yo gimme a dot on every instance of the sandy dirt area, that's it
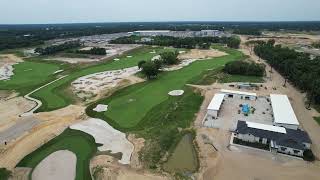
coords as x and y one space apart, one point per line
10 109
58 165
6 65
110 138
201 54
111 50
106 167
20 173
191 56
220 161
138 144
51 125
89 86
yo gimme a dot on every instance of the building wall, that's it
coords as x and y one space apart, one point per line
251 138
213 113
239 96
289 126
291 151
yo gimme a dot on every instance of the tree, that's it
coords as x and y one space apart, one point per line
150 69
234 42
5 174
140 63
169 57
308 155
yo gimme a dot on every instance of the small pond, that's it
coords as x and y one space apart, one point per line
184 158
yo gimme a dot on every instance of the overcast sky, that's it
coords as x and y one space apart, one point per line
73 11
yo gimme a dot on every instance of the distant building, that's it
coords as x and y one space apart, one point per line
239 94
283 113
152 33
279 139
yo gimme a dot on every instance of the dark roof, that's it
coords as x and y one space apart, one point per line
293 138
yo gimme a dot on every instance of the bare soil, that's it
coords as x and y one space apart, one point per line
201 54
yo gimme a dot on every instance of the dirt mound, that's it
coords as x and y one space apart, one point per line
201 54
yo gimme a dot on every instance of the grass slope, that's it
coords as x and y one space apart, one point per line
29 75
82 144
136 101
54 96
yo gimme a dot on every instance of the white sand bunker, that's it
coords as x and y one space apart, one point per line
112 139
101 108
176 92
6 71
58 165
95 83
182 64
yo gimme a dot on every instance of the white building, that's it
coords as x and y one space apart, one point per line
277 139
152 33
283 113
239 94
214 106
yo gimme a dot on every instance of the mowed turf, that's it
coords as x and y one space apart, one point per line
29 75
127 109
80 143
54 96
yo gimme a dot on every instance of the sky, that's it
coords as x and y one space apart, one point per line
81 11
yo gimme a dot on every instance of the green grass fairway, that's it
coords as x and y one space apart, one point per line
82 144
29 75
54 97
127 108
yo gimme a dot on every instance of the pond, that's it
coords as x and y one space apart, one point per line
184 158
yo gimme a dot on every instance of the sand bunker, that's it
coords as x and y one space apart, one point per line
6 65
101 108
201 54
58 165
95 83
112 139
176 92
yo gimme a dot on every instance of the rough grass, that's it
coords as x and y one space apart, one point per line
138 100
82 144
317 119
53 96
29 75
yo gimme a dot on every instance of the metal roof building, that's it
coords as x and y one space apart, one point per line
216 102
283 112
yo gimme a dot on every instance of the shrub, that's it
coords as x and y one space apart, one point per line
140 63
4 174
244 68
169 58
308 155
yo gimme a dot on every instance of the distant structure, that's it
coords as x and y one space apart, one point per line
202 33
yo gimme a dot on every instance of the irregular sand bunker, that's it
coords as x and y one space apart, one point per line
58 165
176 92
101 108
6 65
112 139
95 83
201 54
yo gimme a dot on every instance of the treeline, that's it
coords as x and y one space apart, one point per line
245 68
58 48
93 51
17 36
247 31
297 67
177 42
